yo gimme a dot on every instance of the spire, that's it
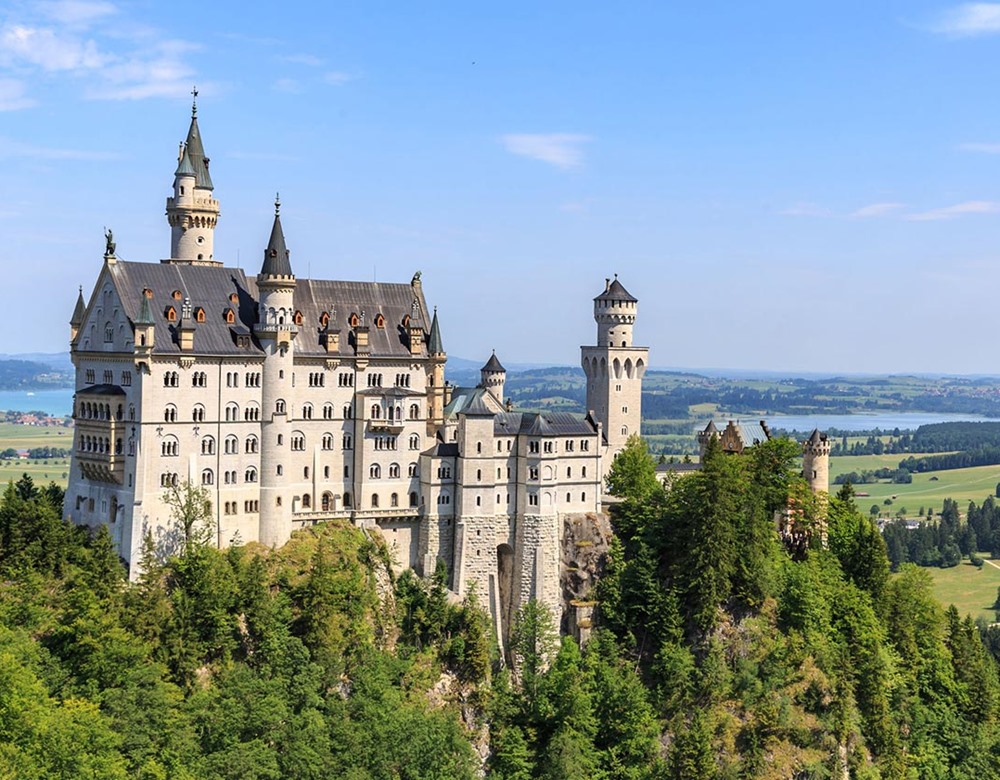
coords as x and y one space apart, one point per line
184 165
196 151
145 313
434 346
493 365
79 310
276 261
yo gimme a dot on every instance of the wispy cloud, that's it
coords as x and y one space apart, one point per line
877 210
13 97
303 59
291 86
980 147
119 59
338 77
10 148
957 210
969 20
806 209
562 150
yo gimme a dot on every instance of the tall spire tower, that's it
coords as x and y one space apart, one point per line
192 211
615 368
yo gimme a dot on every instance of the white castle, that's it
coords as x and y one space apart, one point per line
296 401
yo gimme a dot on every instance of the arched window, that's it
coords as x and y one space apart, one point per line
394 471
347 500
170 413
354 320
327 411
376 411
199 314
394 500
374 500
279 406
198 413
375 472
306 500
327 441
412 470
230 316
251 444
298 318
170 447
324 319
207 445
326 503
347 442
231 445
207 477
232 412
413 498
250 475
379 321
414 411
171 314
307 412
415 441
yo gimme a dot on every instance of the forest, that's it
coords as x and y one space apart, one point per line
721 649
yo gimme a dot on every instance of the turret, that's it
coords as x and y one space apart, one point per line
493 376
276 330
816 461
76 321
435 376
614 311
144 328
192 211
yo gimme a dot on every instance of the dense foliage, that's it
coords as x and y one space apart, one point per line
723 650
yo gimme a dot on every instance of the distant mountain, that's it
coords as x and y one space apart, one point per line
19 373
57 361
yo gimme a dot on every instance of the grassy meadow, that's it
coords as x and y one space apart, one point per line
22 437
971 590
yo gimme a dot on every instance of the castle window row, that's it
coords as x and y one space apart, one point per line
374 380
99 445
89 376
199 379
345 380
385 442
89 410
317 379
169 479
402 380
171 379
126 379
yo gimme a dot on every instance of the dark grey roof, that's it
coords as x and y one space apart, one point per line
434 346
476 408
710 428
208 286
493 365
444 450
79 310
101 390
817 437
184 166
749 433
615 291
541 424
276 262
340 300
196 152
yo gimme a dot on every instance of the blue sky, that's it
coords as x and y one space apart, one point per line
785 186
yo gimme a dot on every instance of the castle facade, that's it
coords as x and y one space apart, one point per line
295 401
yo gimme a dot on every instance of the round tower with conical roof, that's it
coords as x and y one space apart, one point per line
276 330
615 368
192 211
493 376
816 461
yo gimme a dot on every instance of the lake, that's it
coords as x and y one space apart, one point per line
54 402
885 421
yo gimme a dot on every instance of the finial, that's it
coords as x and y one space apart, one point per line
194 102
277 204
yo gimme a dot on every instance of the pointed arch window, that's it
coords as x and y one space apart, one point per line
171 314
199 314
355 320
324 319
298 318
230 316
379 321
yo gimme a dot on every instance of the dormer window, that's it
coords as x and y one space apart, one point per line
234 298
406 321
355 320
324 319
230 316
147 292
199 314
379 321
298 318
171 313
176 295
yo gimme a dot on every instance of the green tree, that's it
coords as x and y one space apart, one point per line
633 471
190 514
532 642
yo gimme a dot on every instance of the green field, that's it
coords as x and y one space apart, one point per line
22 437
971 590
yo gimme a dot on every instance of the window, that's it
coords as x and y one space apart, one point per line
375 472
550 446
306 501
279 406
198 413
479 475
207 445
376 411
569 445
207 477
347 500
230 316
583 471
413 498
170 447
170 379
532 499
345 380
326 502
298 441
251 444
326 472
584 445
569 472
90 377
199 379
170 413
415 441
444 472
394 500
533 473
411 470
279 470
109 333
347 472
252 412
533 447
317 379
348 412
305 473
199 314
479 447
232 412
307 412
347 442
624 430
394 471
127 378
250 475
375 501
327 411
171 313
327 441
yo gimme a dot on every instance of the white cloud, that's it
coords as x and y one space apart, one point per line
48 49
559 149
337 77
13 97
957 210
10 148
970 19
877 210
980 147
806 209
77 12
291 86
303 59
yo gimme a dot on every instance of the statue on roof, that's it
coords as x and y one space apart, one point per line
109 243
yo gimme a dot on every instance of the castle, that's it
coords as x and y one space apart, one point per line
294 401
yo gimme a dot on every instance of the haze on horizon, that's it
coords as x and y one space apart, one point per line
783 187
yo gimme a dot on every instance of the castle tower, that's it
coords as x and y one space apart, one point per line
435 377
192 211
615 368
816 461
275 329
493 376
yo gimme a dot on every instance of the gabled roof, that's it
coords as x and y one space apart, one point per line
541 424
476 408
615 291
